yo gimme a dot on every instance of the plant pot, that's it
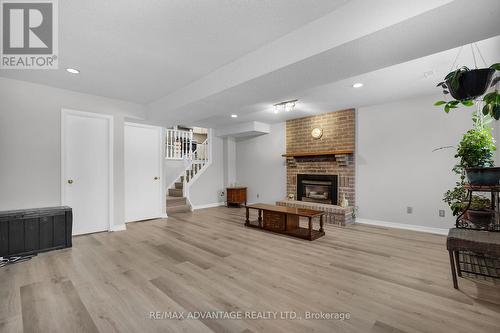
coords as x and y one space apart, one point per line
483 176
480 218
472 84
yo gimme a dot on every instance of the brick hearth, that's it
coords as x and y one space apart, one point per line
333 214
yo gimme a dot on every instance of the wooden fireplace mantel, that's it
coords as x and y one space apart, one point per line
319 153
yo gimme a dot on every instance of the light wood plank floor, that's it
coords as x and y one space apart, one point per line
388 280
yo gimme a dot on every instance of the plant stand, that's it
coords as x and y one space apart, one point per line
476 253
475 249
463 221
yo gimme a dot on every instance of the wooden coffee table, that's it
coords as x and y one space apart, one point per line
285 220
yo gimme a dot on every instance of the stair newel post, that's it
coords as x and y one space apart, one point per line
209 145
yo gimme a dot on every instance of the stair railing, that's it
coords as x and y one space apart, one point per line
178 144
201 152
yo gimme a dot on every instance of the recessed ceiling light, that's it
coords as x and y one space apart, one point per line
234 116
72 71
357 85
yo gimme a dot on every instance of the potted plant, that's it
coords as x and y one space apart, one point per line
479 212
465 85
475 154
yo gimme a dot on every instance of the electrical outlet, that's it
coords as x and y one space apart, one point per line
222 193
441 213
409 210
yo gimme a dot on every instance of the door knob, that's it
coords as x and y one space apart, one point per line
156 178
70 181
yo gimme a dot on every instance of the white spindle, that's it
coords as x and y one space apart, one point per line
179 145
167 153
169 144
191 144
172 144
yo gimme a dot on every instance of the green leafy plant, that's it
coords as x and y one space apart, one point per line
453 104
474 150
456 198
491 100
479 203
492 104
454 79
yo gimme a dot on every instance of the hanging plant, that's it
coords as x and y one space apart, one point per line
465 85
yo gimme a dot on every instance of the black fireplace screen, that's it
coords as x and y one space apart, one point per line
317 188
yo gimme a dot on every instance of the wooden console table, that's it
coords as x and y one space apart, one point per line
285 220
236 196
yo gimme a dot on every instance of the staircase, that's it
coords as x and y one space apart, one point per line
176 199
179 145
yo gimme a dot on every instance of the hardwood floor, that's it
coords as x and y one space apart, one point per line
388 280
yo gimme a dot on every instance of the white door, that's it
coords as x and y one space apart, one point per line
143 199
87 169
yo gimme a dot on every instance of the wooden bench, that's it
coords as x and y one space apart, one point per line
473 251
285 220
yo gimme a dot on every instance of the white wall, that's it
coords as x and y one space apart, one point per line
229 146
206 190
30 142
396 167
260 166
172 170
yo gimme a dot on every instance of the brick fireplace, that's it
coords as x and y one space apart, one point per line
326 163
338 134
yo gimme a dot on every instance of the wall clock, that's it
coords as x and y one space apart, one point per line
317 133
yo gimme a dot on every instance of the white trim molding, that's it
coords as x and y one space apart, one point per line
121 227
215 204
437 231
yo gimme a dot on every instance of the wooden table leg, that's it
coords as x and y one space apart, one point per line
247 221
453 273
321 224
310 229
260 218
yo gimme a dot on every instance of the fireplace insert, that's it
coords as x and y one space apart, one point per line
318 188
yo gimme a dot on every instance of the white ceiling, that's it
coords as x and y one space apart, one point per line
196 62
140 50
406 80
398 41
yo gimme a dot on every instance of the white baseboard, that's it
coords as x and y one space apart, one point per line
215 204
162 216
438 231
121 227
